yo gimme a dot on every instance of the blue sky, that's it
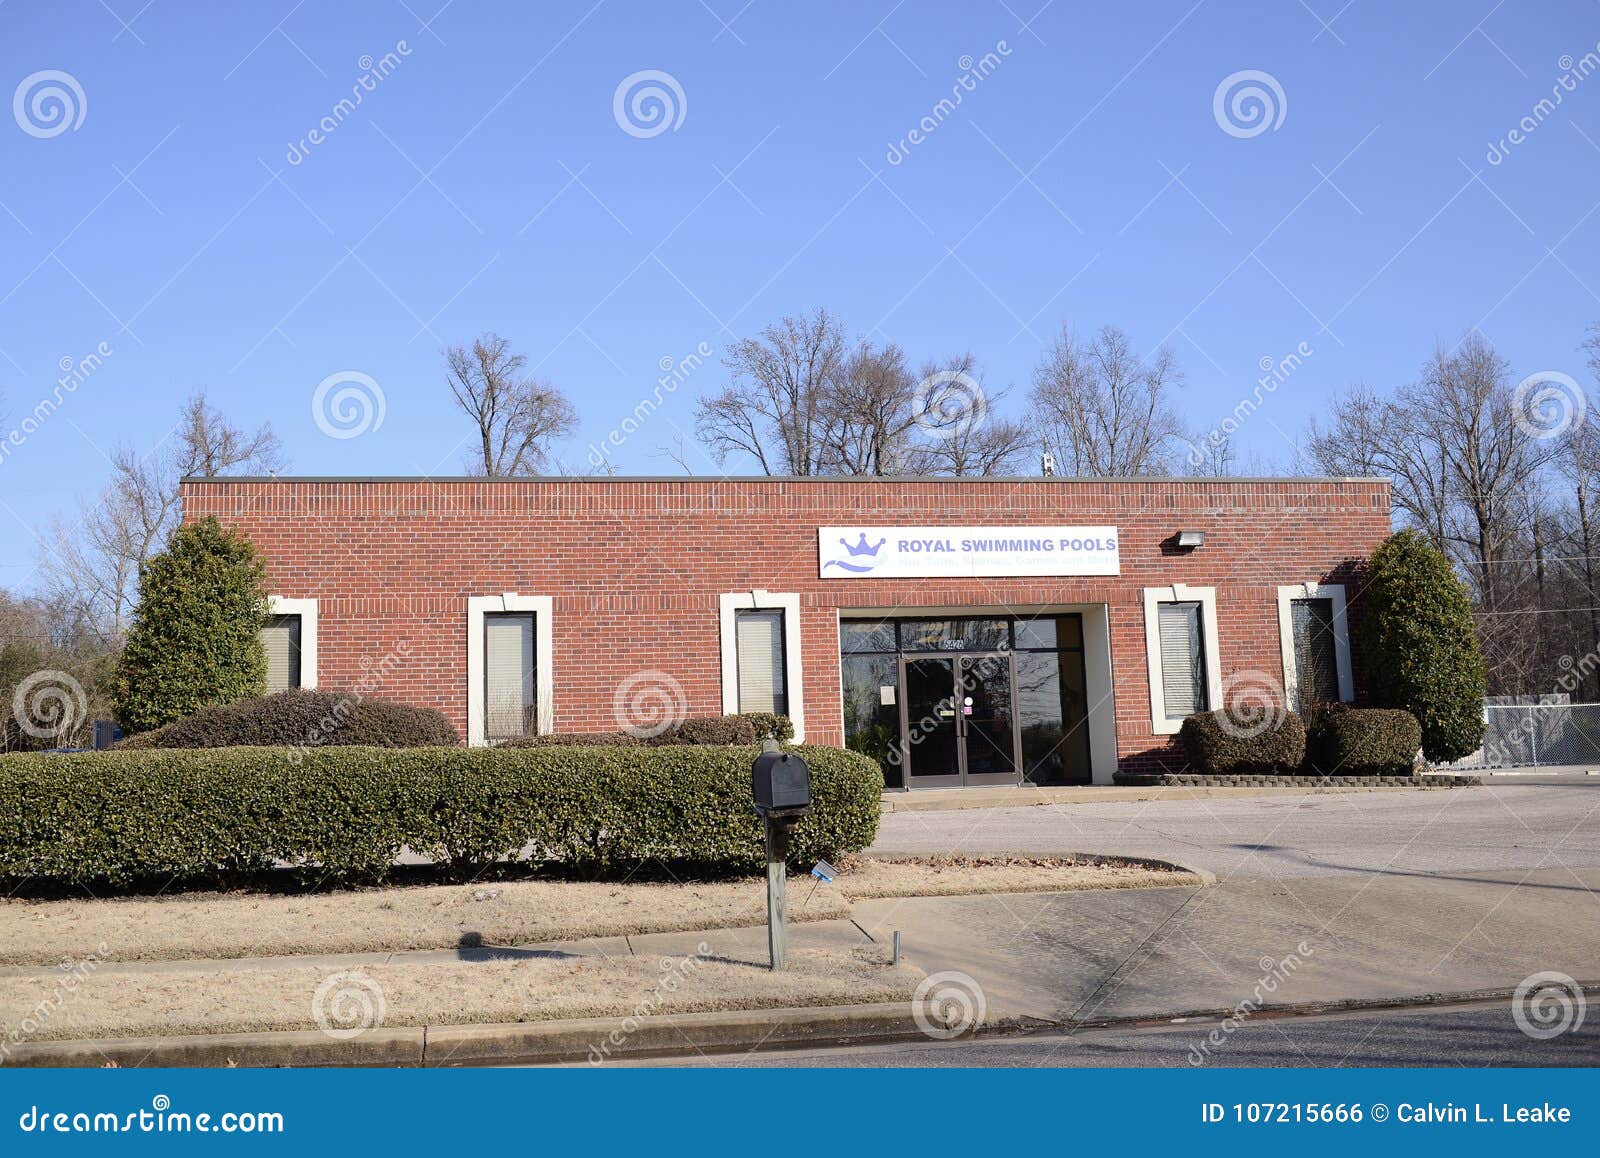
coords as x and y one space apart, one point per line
485 183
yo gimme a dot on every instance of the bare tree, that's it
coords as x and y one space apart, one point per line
1467 469
869 415
1369 437
210 445
962 433
91 563
775 409
518 416
1102 410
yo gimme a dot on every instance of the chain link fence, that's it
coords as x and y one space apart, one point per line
1549 731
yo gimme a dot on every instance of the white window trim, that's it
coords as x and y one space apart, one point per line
542 609
306 609
1334 592
758 600
1180 593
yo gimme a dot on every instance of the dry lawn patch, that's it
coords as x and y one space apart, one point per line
231 925
149 1003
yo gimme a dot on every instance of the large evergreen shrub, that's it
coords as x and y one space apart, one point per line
1419 645
196 634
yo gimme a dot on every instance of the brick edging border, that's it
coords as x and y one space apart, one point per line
1194 780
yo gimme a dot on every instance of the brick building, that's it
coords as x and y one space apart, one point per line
963 631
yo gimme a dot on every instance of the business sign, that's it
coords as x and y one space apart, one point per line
964 552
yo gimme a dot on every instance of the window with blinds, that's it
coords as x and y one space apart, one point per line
281 639
509 702
1315 664
760 642
1183 662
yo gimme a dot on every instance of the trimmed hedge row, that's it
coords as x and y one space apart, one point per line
1229 742
344 814
1348 741
303 717
1338 739
748 728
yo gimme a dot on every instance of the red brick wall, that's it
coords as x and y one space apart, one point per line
635 568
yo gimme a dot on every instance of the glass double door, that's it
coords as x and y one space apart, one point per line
959 719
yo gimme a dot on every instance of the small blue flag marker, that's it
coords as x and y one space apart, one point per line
824 872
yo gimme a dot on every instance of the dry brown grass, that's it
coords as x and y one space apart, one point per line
148 1003
203 925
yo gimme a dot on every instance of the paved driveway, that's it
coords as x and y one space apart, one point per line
1497 826
1367 896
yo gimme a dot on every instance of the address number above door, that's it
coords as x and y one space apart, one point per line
964 552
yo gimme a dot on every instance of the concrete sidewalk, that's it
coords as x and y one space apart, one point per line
1084 958
1064 959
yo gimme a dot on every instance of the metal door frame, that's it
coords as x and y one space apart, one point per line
960 778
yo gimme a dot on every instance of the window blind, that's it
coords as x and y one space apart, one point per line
1316 668
281 639
1183 673
509 676
760 645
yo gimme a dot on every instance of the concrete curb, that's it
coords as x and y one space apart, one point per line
1151 862
600 1039
594 1040
1132 789
1297 1009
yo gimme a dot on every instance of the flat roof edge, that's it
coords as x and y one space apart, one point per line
762 478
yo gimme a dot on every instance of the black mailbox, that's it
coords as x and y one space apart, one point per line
781 782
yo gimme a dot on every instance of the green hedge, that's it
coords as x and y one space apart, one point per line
1348 741
1226 742
748 728
303 717
344 814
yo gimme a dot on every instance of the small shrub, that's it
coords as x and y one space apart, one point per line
1364 741
303 717
574 740
712 730
1228 742
780 726
344 814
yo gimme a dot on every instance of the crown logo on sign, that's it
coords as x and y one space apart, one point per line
862 547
